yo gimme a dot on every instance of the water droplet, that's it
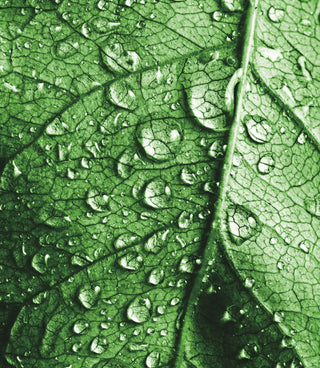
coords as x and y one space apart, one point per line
99 345
278 316
217 16
39 262
138 347
77 260
174 301
287 342
230 91
305 246
117 58
185 220
161 309
131 261
76 347
157 241
86 30
275 15
153 360
80 326
232 5
305 71
271 54
258 129
186 265
97 201
249 282
216 149
243 354
88 296
160 139
66 48
157 193
280 266
38 299
56 127
126 162
312 205
16 170
242 224
125 240
188 177
236 160
156 276
103 25
301 138
266 164
139 310
120 94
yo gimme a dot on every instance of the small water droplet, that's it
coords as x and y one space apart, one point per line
278 316
275 15
157 241
186 265
266 164
232 5
139 310
185 220
280 265
153 359
188 177
125 240
96 200
312 205
39 262
287 342
258 129
160 139
80 326
157 193
174 301
65 49
156 276
249 282
131 261
301 138
126 162
86 30
88 296
217 16
271 54
121 94
16 170
305 246
99 345
76 347
242 224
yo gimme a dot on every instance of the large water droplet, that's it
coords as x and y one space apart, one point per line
99 345
258 129
131 261
139 310
157 241
153 359
241 223
88 296
80 326
160 139
121 94
117 58
216 149
275 15
157 193
39 262
125 240
312 205
156 276
266 164
97 201
185 220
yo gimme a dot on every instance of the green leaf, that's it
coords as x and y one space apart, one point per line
156 212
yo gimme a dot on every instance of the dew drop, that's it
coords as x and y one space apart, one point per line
278 316
185 220
120 94
232 5
271 54
86 30
217 16
64 49
76 347
157 241
305 246
301 138
312 205
126 162
266 164
153 360
160 139
80 326
216 149
117 58
102 25
96 201
56 127
99 345
16 171
188 177
86 163
242 224
258 129
131 261
88 296
157 193
39 262
125 240
156 276
186 265
275 15
174 301
249 282
139 310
